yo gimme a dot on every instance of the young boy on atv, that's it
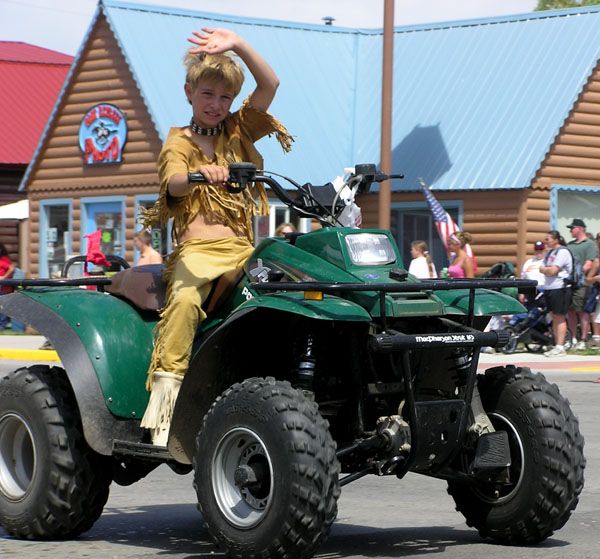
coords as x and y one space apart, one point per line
212 227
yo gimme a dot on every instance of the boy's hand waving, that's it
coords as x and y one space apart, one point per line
213 41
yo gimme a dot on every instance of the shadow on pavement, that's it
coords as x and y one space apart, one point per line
352 541
178 531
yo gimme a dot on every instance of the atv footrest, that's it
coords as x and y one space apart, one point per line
142 450
493 452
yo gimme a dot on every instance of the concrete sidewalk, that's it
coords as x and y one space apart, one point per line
572 362
27 348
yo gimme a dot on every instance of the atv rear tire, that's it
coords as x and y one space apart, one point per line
266 472
547 460
52 485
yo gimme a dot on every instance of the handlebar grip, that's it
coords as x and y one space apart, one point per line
196 178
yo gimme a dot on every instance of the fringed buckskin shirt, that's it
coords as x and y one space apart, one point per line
234 144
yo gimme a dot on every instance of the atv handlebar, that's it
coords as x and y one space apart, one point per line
312 201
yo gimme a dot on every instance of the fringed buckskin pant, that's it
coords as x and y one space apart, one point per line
190 271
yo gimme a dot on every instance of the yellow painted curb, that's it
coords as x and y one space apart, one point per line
595 369
29 354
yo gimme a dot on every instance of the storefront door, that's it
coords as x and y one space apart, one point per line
55 237
108 217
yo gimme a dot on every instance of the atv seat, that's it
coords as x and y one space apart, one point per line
144 287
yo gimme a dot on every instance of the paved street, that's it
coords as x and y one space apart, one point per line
378 517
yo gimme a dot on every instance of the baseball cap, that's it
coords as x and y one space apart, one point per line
576 223
539 245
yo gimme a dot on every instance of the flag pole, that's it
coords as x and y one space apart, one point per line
385 195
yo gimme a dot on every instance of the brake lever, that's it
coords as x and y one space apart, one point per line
234 189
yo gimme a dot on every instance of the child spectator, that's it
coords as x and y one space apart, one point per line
421 264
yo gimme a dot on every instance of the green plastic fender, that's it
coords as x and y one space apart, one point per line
487 302
329 308
115 337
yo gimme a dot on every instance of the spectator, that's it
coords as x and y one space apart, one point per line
531 267
143 243
593 276
461 265
6 271
556 268
584 250
421 264
285 228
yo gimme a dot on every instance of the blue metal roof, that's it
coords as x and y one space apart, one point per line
477 104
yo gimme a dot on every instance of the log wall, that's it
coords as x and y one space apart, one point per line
102 76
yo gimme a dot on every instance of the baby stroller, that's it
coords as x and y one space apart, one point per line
500 270
533 329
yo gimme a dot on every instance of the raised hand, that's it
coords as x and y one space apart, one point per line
213 41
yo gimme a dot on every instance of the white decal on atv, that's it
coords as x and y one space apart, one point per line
446 339
246 293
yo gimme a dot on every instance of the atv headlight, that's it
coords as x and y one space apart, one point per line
370 249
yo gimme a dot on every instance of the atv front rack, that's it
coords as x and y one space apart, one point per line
401 287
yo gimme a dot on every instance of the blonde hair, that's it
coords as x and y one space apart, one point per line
213 68
422 247
462 237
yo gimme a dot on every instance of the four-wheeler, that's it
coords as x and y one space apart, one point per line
321 362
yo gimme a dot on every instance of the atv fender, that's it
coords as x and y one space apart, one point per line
329 308
487 302
239 348
104 346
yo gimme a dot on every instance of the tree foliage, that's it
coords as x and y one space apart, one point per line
560 4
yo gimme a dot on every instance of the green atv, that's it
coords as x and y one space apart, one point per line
321 362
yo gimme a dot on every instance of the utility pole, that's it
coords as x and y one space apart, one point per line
385 195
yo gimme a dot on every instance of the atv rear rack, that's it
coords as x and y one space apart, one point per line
99 281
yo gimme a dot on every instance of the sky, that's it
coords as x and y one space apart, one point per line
61 24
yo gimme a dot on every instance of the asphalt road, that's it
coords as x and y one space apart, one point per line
378 517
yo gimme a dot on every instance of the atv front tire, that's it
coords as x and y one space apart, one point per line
266 472
546 474
52 485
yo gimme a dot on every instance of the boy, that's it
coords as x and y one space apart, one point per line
212 227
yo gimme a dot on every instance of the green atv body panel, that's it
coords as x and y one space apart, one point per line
330 308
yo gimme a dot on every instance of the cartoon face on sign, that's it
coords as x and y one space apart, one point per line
102 134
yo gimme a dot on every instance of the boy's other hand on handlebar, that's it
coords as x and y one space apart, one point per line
213 41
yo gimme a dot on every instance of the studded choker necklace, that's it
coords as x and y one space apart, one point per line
205 131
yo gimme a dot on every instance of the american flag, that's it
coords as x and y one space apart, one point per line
443 221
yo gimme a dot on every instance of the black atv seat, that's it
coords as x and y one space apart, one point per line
144 287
